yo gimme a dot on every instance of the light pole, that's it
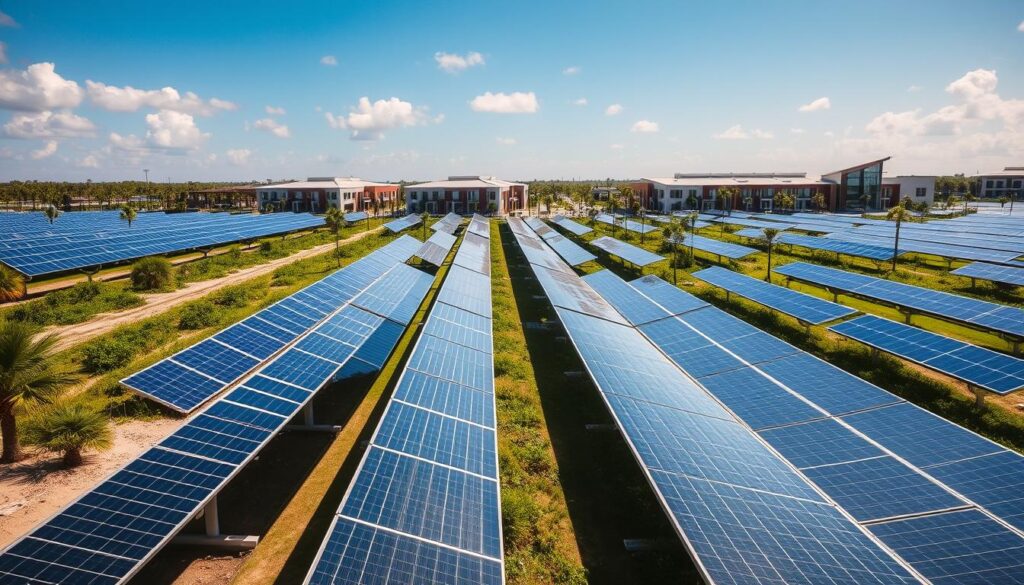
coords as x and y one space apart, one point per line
147 183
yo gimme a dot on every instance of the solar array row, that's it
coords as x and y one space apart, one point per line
403 223
862 250
1013 275
570 251
944 250
638 227
746 222
628 252
192 376
424 505
436 248
109 533
570 225
925 233
448 224
796 304
355 216
717 247
972 312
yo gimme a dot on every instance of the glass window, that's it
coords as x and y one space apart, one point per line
920 192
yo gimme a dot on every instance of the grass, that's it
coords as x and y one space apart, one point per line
75 304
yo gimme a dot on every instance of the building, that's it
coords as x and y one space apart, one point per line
918 188
857 188
317 194
603 193
1008 182
466 194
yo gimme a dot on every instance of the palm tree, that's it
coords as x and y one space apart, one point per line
68 428
674 232
768 238
897 214
423 219
967 198
128 214
643 216
691 223
12 284
818 199
28 374
613 203
51 213
728 196
335 219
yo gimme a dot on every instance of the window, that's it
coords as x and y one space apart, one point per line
989 184
693 192
920 192
1016 184
492 195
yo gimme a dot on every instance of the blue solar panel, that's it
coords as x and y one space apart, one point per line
748 222
717 247
571 226
403 223
438 438
689 349
397 294
819 442
802 306
216 360
568 291
173 385
458 326
446 397
994 481
628 252
570 251
633 305
467 290
474 254
436 248
355 216
829 387
639 227
667 294
945 250
860 249
758 401
480 226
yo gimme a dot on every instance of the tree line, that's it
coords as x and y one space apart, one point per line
89 195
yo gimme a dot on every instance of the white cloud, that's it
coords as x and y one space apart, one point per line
38 88
506 141
174 131
367 121
573 70
274 111
822 103
129 143
501 103
48 124
46 151
1020 26
737 132
914 89
89 161
796 130
329 60
644 126
130 99
239 156
580 102
613 110
272 126
7 20
454 63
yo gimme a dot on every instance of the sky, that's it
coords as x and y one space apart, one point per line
257 90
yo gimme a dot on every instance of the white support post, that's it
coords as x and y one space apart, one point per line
211 518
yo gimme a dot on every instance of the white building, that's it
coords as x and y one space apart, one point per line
1008 182
918 188
317 194
466 194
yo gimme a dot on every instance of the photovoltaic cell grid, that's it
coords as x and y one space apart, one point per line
436 248
862 250
423 505
33 247
628 252
448 224
605 218
572 226
403 223
538 225
110 532
639 227
355 216
752 233
190 377
944 250
974 312
796 304
975 365
746 222
1003 274
925 233
743 513
480 226
570 251
824 436
717 247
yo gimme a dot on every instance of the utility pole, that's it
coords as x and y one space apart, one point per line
147 183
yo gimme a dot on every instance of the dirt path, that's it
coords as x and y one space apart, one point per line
157 303
34 489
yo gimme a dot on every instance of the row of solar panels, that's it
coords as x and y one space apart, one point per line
424 505
744 513
110 532
570 251
571 226
40 258
448 224
30 226
192 376
403 223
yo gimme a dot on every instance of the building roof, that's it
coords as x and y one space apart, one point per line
857 167
738 180
326 183
1006 172
463 182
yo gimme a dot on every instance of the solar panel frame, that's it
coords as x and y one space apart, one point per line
796 304
628 252
1012 275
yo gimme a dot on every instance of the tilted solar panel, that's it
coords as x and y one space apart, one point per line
860 249
628 252
572 226
797 304
717 247
1004 274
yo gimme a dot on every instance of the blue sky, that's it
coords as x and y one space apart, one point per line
521 90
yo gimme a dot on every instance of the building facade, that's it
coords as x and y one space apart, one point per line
318 194
1008 182
466 194
918 188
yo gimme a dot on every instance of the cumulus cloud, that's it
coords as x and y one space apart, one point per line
272 126
329 60
368 121
274 111
1020 26
129 143
822 103
47 124
454 63
644 126
580 102
174 131
506 141
613 110
573 70
46 151
130 99
736 132
7 20
238 156
89 161
37 88
506 103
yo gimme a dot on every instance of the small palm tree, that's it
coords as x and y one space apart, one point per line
768 238
335 219
128 214
423 219
51 213
68 428
12 284
818 199
28 374
897 214
967 199
674 232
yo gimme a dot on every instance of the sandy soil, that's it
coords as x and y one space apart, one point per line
34 489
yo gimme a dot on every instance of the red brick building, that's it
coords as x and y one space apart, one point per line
466 194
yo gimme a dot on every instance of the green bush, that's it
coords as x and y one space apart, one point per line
238 296
106 354
152 273
74 304
68 428
199 314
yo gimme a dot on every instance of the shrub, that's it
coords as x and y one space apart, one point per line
152 273
12 285
519 517
199 314
106 354
237 296
68 428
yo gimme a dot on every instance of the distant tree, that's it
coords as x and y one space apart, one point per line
424 217
51 213
28 374
691 224
673 232
748 199
967 199
12 284
768 238
128 214
68 428
783 200
818 200
335 220
898 214
728 195
613 204
1003 201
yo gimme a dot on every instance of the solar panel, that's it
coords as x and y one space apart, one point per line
796 304
639 227
975 365
480 226
945 250
538 225
925 233
436 248
474 254
569 292
627 252
717 247
605 218
396 294
859 249
465 290
1013 275
747 222
945 305
403 223
571 226
570 251
633 305
752 233
355 216
667 295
